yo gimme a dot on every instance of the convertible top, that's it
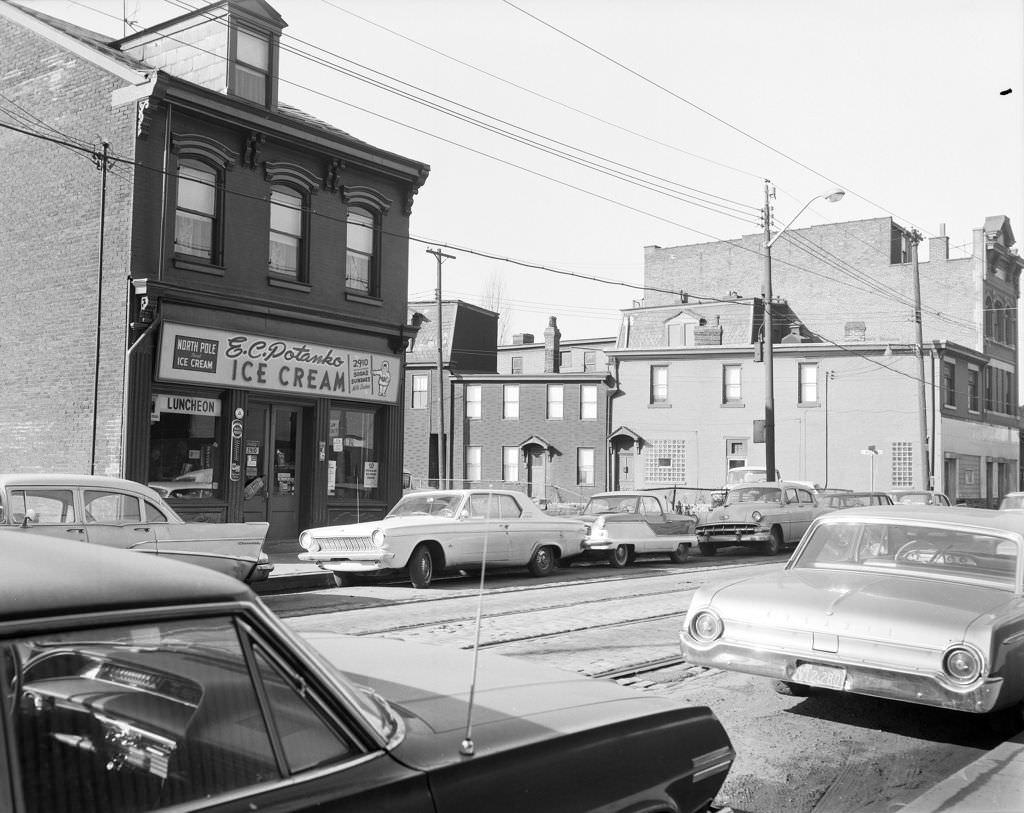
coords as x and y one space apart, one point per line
80 577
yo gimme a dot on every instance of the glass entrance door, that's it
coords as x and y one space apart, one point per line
272 460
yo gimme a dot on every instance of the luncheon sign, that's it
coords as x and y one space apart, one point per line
218 357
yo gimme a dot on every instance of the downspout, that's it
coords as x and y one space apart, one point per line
163 193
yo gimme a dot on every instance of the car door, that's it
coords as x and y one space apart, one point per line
652 525
114 518
802 510
479 524
524 532
45 511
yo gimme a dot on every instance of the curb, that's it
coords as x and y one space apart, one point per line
314 580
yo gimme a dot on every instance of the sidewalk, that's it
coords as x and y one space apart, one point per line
993 783
286 578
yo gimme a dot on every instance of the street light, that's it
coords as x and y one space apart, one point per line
766 295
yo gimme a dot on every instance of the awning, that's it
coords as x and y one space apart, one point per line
536 440
624 432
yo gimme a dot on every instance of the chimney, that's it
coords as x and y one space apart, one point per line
552 346
855 331
938 247
793 336
522 338
705 334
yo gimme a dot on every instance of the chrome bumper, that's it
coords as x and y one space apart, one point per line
350 562
911 687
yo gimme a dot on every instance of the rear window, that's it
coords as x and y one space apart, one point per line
916 549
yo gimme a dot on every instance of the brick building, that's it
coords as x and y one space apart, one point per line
226 301
845 363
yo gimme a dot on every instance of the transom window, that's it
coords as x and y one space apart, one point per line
286 232
251 70
360 269
195 219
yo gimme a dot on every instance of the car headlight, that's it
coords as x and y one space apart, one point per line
706 626
308 541
962 664
598 523
757 516
378 536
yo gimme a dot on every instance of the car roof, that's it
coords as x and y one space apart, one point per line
775 483
463 491
49 478
45 576
1006 521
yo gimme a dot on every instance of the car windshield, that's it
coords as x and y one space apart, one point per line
924 550
734 476
852 500
435 505
743 494
611 505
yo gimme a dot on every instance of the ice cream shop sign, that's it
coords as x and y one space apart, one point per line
208 356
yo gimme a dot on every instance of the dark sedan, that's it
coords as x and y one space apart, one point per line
133 684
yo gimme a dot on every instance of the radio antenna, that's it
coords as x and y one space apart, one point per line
467 748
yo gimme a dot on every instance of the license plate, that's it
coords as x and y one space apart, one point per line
827 677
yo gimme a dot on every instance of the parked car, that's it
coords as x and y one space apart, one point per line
429 532
624 524
835 500
766 516
125 514
911 496
899 602
1012 501
131 685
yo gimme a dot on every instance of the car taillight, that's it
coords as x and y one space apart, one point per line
962 664
706 626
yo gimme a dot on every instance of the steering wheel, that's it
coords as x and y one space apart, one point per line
917 551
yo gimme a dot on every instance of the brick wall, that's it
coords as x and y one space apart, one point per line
49 255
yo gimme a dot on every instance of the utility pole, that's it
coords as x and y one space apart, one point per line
922 409
442 464
102 164
768 336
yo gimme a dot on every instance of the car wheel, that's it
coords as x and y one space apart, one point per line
792 689
707 549
621 556
421 567
680 554
773 546
543 561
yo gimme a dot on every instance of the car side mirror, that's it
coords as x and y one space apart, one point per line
30 516
464 513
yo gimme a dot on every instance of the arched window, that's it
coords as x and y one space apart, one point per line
988 317
287 232
1000 320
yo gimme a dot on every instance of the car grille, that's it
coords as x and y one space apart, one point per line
730 528
336 544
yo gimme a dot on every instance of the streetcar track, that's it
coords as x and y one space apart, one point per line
543 635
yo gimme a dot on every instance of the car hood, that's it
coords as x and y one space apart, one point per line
516 702
387 523
740 511
930 612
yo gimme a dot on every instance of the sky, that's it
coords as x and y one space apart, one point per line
902 103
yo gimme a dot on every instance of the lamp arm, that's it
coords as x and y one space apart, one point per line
792 220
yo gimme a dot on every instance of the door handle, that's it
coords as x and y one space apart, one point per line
75 530
145 530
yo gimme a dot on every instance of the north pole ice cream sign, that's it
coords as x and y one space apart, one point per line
200 355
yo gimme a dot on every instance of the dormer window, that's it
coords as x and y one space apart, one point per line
250 70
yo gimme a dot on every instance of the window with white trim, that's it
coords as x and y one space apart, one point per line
732 384
510 464
473 457
588 402
808 383
197 214
420 390
286 232
585 466
659 383
474 394
360 251
510 401
556 401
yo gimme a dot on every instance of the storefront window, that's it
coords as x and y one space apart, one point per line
184 453
352 464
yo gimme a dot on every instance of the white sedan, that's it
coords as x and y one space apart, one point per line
429 532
